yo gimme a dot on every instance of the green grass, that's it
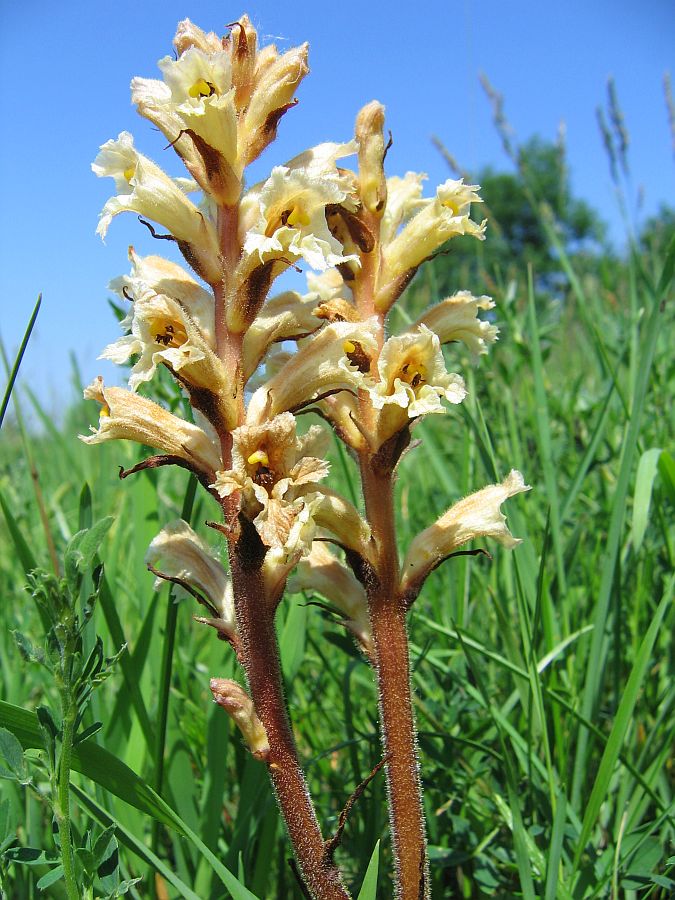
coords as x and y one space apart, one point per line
543 677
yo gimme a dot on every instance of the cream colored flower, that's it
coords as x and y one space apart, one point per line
145 189
336 358
128 416
340 521
275 81
456 319
343 413
404 199
194 106
288 218
322 572
328 285
287 316
478 515
270 464
164 332
413 375
178 554
156 275
436 221
239 706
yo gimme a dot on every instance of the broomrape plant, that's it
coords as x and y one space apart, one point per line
221 335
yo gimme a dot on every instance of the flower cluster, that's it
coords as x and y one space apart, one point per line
250 361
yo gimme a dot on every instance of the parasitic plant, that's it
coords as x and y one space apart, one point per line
249 361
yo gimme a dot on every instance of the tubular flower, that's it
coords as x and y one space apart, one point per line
436 220
194 107
413 380
128 416
179 555
287 316
478 515
456 319
163 332
270 464
156 275
290 209
340 521
272 88
404 199
335 359
323 572
145 189
239 706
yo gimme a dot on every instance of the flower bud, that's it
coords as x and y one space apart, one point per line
239 707
271 98
369 134
243 41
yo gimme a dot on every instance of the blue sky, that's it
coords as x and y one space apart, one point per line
66 68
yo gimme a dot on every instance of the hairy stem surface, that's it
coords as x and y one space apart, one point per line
392 667
260 656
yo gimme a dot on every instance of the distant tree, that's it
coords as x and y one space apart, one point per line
513 203
657 231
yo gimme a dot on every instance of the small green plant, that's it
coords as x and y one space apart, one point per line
66 606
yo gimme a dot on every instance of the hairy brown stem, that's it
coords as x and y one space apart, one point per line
260 656
392 667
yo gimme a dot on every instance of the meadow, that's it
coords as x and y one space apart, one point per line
543 677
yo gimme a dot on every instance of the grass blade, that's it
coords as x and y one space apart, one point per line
369 887
621 722
19 357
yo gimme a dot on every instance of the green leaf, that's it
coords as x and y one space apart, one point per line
82 549
292 640
644 482
369 887
28 650
12 753
85 514
31 856
88 732
56 874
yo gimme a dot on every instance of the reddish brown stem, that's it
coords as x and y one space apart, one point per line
260 656
392 666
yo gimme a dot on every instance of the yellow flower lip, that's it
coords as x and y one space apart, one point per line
297 216
168 334
259 457
202 88
129 172
349 346
414 375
